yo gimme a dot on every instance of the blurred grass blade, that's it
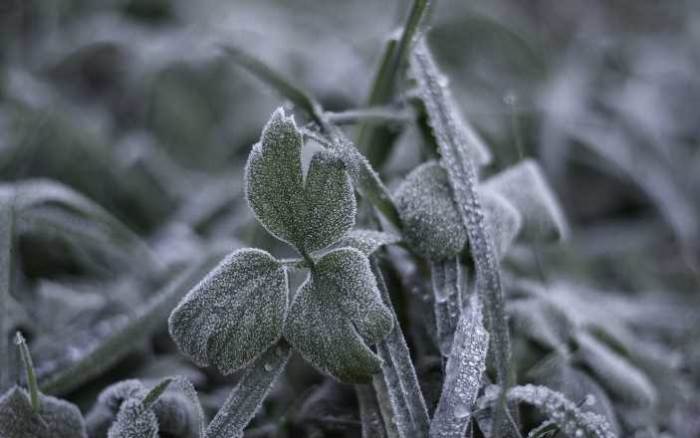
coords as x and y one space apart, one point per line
460 157
369 116
99 358
278 82
245 399
376 141
7 219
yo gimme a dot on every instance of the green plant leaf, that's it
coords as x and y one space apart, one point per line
525 187
336 313
55 419
431 223
134 421
235 313
310 213
366 241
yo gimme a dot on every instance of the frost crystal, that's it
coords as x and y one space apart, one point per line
571 420
55 419
336 313
234 314
465 367
310 213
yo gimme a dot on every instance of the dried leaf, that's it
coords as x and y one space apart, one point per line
235 313
336 313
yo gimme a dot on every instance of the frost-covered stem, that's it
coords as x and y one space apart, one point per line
370 414
385 407
463 178
400 375
247 397
121 342
7 219
446 278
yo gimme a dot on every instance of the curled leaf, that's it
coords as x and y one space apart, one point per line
525 187
234 314
432 225
336 313
308 212
55 418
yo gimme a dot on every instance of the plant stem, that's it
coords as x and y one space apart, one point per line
400 375
7 218
370 414
446 278
245 399
29 369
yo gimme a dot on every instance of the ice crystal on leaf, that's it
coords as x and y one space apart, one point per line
310 213
336 313
234 314
55 419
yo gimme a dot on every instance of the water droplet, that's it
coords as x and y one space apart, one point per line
462 410
268 367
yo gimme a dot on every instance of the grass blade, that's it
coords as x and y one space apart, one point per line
447 291
245 399
370 414
459 156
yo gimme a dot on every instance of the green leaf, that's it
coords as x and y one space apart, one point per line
55 419
309 213
235 313
431 223
526 188
134 421
336 313
367 241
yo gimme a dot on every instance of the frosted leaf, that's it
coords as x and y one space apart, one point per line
431 223
577 386
134 421
336 313
465 366
573 421
235 313
55 419
367 241
504 220
105 410
526 188
614 372
309 213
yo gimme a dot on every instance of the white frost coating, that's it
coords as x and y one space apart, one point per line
571 420
336 313
309 213
235 313
526 187
446 276
58 418
245 399
431 222
134 421
465 367
367 241
614 372
458 160
504 220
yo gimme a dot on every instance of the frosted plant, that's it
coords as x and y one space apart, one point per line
128 408
32 414
240 310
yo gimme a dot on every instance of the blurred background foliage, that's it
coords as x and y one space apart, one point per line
133 104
